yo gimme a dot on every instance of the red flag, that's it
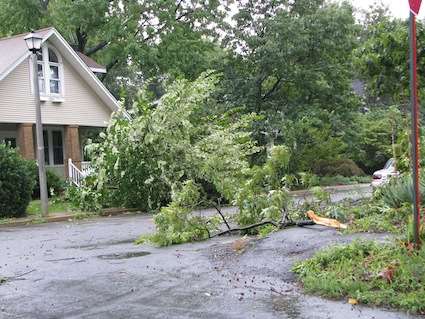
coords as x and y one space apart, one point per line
415 5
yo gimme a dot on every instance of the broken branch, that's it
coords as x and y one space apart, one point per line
239 229
221 214
263 223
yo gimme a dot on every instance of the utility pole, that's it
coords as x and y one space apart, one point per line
415 138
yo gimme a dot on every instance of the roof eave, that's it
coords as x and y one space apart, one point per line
98 70
14 66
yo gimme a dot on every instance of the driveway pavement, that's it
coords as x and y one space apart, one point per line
92 269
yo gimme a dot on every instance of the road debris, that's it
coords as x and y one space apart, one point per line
325 221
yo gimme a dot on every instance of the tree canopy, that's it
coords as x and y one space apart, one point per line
293 63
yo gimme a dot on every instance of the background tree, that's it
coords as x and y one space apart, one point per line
290 59
382 61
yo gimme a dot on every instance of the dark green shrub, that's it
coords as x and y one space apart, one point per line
348 168
310 139
55 184
342 167
17 181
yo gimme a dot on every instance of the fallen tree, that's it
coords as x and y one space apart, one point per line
162 159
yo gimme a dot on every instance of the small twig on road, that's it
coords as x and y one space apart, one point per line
272 289
25 273
62 259
21 275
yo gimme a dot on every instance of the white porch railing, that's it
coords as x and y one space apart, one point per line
76 175
86 168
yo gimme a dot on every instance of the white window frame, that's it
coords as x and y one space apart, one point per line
55 64
49 130
47 95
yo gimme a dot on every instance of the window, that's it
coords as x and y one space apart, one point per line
53 146
57 147
40 72
49 72
10 141
46 147
54 73
54 80
53 57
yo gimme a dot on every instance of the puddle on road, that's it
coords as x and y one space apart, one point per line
125 255
100 245
288 305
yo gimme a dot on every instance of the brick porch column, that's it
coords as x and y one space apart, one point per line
72 146
25 141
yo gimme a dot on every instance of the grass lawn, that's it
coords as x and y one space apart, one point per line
390 275
55 206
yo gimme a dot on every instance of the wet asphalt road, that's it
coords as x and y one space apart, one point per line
92 269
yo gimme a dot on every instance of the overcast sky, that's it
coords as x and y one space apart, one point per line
399 8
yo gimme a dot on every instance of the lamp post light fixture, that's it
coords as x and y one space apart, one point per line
33 43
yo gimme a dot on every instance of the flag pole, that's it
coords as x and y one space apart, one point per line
415 128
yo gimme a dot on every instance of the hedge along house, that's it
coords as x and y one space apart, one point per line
73 99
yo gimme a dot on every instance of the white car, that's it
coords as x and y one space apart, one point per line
382 176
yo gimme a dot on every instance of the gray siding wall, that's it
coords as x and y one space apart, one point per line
81 106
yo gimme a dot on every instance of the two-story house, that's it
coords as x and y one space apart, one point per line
73 99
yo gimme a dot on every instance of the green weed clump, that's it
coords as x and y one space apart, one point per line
390 275
388 210
379 218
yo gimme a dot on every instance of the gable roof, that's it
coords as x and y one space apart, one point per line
92 64
13 51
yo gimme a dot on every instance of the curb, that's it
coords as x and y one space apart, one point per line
107 212
334 189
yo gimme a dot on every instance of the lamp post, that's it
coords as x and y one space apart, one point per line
34 46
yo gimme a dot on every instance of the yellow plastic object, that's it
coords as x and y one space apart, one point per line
352 301
325 221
